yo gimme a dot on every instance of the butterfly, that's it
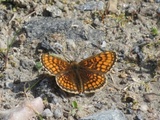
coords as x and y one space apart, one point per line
87 76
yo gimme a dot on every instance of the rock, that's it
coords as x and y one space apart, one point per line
98 106
47 113
150 97
25 111
9 85
107 115
27 63
112 6
92 5
143 107
54 11
41 28
139 117
157 1
58 113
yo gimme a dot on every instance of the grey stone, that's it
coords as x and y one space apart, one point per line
58 113
98 106
47 113
107 115
92 5
9 85
157 1
158 10
55 11
59 4
40 28
27 63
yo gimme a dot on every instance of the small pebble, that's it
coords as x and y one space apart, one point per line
129 111
107 115
98 106
9 85
158 11
92 5
58 113
138 117
26 63
104 44
143 107
157 1
7 106
47 113
54 11
150 97
131 9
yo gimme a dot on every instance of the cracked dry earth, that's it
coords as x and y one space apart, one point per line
73 31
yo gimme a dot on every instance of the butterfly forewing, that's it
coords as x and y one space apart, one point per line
53 64
99 63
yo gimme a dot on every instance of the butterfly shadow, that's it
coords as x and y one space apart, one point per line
56 90
45 86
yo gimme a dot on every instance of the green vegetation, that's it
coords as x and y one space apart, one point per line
74 105
75 108
38 65
154 31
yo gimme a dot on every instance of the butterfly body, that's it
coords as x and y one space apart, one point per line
73 73
87 76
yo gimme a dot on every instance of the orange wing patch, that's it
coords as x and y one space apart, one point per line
54 64
101 62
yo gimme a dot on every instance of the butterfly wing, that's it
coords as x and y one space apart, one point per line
92 70
99 63
61 69
54 65
92 81
66 82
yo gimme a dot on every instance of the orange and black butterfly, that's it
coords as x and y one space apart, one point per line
86 76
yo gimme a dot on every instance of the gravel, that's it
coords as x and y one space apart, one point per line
75 30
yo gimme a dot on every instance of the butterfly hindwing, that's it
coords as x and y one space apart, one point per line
92 81
66 82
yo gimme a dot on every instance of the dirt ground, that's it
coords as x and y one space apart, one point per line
75 30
